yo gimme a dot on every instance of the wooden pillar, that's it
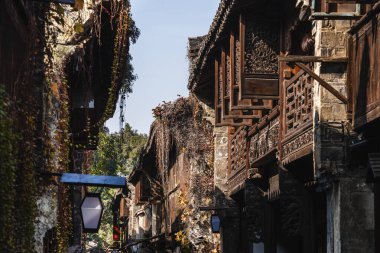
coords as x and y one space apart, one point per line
269 229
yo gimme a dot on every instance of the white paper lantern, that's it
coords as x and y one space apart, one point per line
91 212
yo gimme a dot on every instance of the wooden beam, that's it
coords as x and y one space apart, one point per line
303 58
365 19
324 84
334 16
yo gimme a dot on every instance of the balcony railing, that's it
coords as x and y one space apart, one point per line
286 131
264 137
238 150
298 102
297 111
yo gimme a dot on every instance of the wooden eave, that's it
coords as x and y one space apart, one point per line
219 30
365 19
134 176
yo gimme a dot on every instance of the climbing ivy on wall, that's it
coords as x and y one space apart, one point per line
29 107
8 163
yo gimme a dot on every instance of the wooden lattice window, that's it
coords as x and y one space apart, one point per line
142 190
298 101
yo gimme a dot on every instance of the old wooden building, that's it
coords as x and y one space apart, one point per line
172 180
294 89
291 90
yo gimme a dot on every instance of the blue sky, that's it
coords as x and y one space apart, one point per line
159 56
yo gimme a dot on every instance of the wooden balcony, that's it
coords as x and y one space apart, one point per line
246 72
251 146
296 113
264 138
285 133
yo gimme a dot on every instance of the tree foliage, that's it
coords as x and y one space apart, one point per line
117 154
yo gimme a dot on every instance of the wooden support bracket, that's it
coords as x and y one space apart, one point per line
335 16
324 84
305 58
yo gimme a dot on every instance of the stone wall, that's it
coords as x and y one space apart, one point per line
220 164
230 218
349 197
330 115
46 215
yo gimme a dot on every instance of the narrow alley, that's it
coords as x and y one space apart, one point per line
238 126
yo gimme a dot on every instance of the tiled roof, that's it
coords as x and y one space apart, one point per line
217 26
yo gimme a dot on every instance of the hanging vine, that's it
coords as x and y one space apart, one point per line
122 76
181 125
34 118
8 170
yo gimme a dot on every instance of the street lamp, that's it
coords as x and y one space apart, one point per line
215 223
91 212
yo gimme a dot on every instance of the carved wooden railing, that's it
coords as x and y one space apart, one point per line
238 150
296 109
237 156
298 102
264 137
250 145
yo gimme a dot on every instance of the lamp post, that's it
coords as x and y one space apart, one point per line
91 212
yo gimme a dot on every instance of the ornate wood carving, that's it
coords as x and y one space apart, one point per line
238 150
262 46
297 117
220 83
237 61
231 108
218 92
264 141
238 179
228 75
298 143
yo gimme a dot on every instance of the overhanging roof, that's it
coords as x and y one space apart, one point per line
227 9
